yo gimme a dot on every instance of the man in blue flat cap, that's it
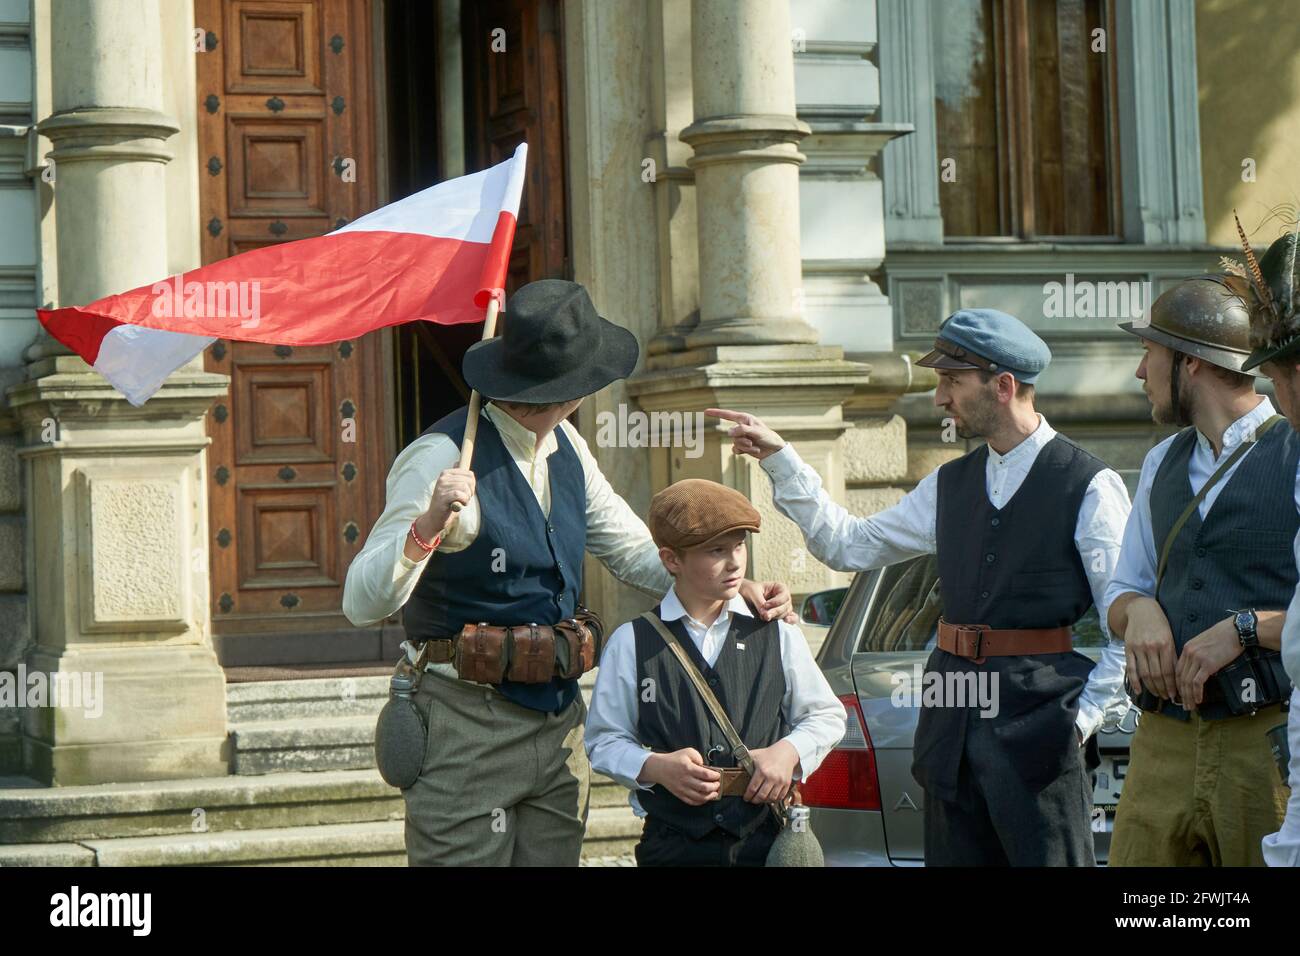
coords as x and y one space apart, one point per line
1027 529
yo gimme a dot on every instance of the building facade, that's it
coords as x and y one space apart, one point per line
781 198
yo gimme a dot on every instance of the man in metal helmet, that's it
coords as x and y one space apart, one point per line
1204 575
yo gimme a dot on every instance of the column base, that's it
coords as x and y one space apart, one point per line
125 714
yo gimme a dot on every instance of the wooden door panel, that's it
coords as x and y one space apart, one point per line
274 47
298 454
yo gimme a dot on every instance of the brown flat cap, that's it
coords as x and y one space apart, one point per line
694 511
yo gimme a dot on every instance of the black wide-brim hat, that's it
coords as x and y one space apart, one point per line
553 348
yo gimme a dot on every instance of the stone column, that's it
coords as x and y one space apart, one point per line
751 349
117 495
746 164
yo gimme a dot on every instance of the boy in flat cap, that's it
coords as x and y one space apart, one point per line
504 779
1027 529
650 729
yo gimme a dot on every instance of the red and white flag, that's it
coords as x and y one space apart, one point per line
439 256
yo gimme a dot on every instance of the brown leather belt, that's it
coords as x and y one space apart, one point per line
734 781
526 653
976 641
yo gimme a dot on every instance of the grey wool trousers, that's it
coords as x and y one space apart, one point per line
501 785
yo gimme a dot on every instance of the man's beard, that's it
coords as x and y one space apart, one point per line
980 419
1179 410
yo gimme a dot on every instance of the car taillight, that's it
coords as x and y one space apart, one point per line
846 779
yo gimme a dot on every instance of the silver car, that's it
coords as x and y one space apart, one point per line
867 806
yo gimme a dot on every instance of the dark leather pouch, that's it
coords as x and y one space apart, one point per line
481 653
532 654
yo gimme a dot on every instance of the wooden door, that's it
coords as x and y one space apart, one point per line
515 95
299 449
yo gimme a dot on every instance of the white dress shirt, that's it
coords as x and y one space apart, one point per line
1283 848
381 578
846 542
814 713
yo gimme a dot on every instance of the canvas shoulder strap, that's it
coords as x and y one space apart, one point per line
1214 479
738 749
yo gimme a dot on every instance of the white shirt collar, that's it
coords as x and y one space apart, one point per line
1239 430
521 441
670 609
1030 446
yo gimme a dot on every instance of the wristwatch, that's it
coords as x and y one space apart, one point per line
1246 623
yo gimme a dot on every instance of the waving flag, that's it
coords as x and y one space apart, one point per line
438 256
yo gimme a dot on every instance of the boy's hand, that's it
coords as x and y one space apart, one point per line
771 600
684 774
750 436
773 772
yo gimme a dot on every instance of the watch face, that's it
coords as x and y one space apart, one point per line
1245 622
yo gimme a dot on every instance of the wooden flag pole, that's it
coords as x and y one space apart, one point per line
471 420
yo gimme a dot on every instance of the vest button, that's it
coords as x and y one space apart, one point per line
719 818
988 558
1200 552
995 522
984 594
1191 615
1197 585
713 682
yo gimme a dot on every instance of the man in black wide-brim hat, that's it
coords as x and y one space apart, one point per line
490 594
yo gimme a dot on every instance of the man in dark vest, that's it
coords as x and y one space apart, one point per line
1275 338
505 775
1198 596
1026 529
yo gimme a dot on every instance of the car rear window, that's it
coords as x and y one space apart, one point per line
905 614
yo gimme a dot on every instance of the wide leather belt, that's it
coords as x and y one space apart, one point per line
976 641
525 653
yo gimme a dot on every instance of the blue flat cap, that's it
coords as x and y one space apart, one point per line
990 340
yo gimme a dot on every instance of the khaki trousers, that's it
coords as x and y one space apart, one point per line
501 785
1199 792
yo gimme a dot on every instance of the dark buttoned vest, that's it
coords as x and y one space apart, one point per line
522 568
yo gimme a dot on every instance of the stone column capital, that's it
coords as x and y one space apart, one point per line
122 133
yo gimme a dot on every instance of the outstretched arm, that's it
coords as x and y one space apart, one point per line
835 537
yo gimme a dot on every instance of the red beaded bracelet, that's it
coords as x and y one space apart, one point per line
425 546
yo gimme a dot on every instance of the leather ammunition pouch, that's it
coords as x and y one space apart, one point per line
1255 679
525 653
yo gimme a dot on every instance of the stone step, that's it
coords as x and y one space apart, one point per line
611 835
611 832
322 697
317 697
60 817
334 743
302 744
378 843
30 813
